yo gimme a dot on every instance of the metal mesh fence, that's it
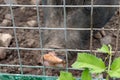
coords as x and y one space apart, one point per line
14 28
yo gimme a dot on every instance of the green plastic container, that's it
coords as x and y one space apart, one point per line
24 77
29 77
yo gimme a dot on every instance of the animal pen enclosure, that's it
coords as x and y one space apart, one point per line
23 21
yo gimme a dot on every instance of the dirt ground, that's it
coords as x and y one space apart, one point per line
29 38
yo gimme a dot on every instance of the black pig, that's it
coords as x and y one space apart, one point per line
75 18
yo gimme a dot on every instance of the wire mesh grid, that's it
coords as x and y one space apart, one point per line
40 28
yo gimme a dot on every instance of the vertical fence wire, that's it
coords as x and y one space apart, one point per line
65 31
40 33
91 26
118 32
15 35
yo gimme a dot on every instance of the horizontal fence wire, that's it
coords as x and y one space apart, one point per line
47 49
47 28
30 66
14 5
